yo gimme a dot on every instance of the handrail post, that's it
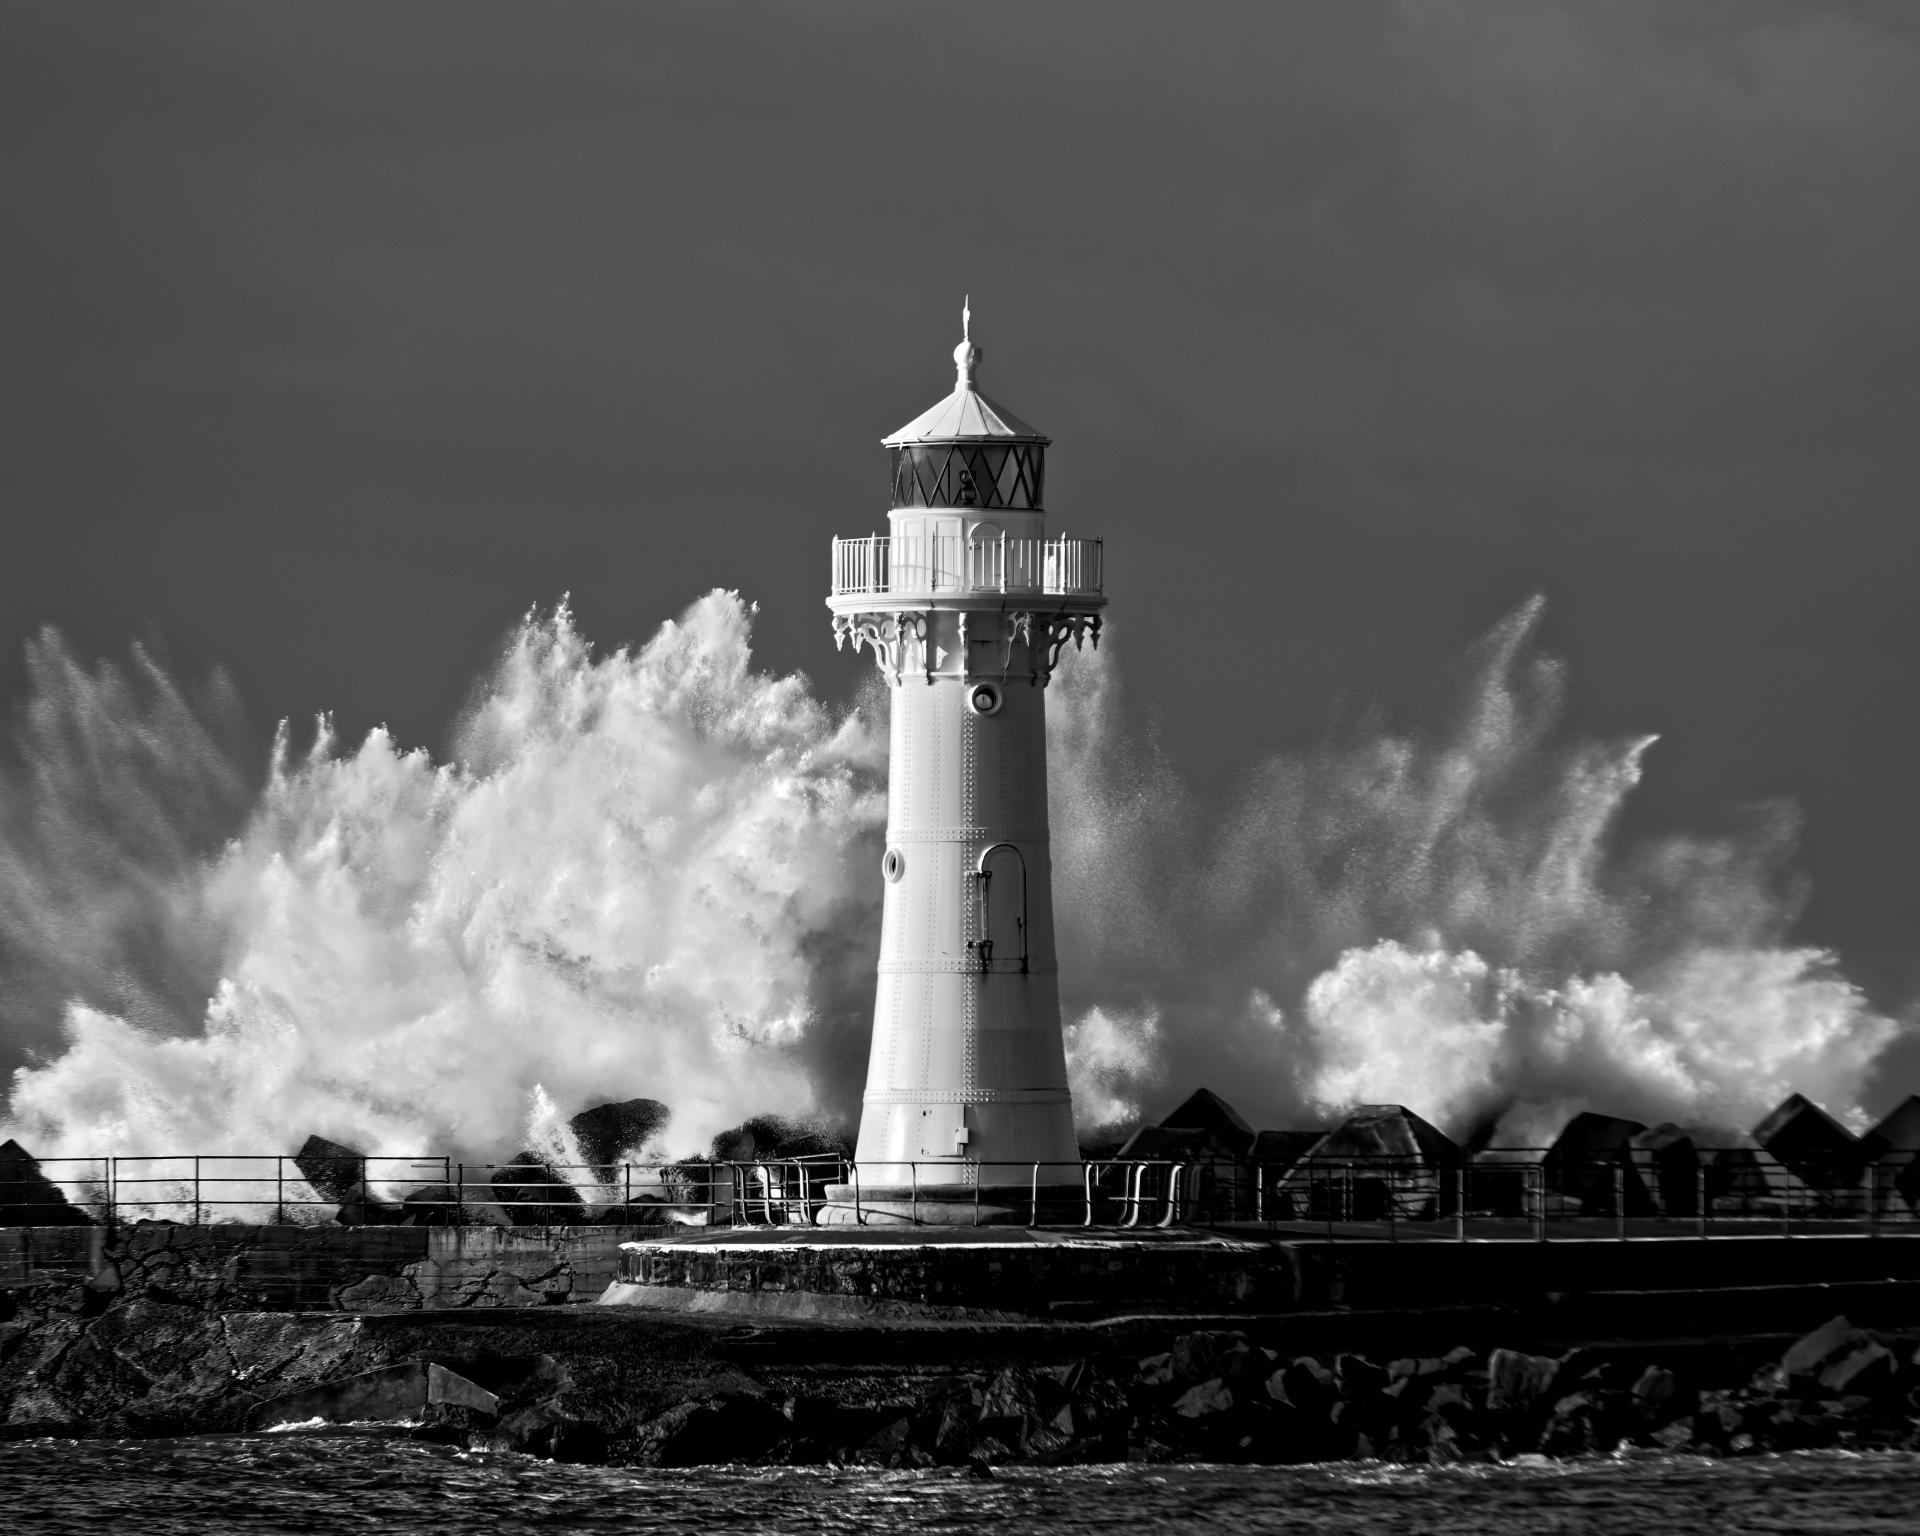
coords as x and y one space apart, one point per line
1086 1185
113 1190
1619 1202
460 1194
1873 1199
976 1172
913 1176
1460 1201
1537 1183
1700 1197
196 1190
1034 1219
853 1173
280 1191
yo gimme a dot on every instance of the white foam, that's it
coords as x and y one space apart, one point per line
653 873
633 879
1446 919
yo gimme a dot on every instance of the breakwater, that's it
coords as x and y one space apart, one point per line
236 1267
611 1385
913 1348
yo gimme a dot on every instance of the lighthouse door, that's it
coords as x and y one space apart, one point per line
947 554
986 557
1002 878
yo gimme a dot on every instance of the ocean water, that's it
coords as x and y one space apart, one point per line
347 1481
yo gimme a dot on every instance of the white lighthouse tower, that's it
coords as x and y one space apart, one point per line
966 604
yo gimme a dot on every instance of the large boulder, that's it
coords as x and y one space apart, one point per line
1174 1144
1280 1150
1820 1151
534 1194
336 1173
609 1134
1383 1161
1509 1182
765 1137
1743 1179
1217 1181
1275 1155
1518 1384
1592 1161
441 1205
331 1167
1891 1151
28 1198
1205 1110
793 1162
1668 1162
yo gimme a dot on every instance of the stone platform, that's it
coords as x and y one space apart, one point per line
963 1273
231 1265
988 1274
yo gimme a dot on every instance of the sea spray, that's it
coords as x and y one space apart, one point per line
117 786
655 873
1445 918
637 876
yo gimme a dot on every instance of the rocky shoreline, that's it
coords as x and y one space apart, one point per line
590 1384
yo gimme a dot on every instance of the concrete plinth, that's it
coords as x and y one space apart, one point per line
934 1270
952 1205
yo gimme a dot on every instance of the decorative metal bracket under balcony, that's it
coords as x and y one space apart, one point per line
920 567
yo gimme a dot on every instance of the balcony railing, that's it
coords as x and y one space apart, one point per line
929 563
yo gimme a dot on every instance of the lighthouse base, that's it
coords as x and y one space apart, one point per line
952 1205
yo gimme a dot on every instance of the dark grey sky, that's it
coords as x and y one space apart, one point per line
333 336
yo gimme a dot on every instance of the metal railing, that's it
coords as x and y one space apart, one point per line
1505 1194
913 564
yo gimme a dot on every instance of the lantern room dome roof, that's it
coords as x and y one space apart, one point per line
966 415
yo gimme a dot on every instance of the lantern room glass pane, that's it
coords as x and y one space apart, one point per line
1006 479
997 475
1033 461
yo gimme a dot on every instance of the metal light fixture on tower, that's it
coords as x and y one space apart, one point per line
966 604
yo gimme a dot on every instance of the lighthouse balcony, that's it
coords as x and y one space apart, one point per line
942 565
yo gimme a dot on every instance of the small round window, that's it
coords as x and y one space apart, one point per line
894 865
984 699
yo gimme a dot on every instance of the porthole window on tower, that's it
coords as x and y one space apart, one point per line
893 865
969 475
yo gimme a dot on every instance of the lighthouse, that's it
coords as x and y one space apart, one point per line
965 605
